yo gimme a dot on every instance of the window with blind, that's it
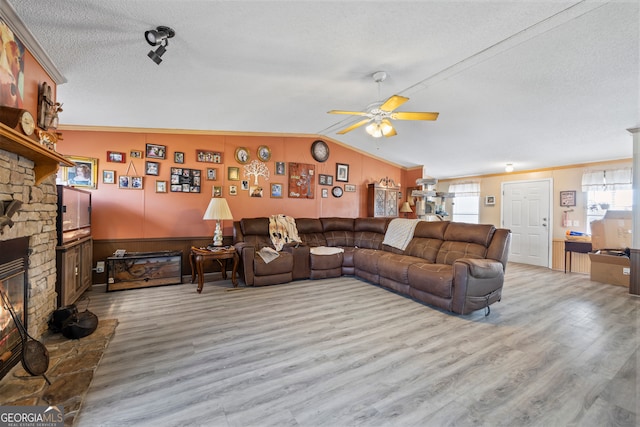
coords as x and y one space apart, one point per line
466 203
609 189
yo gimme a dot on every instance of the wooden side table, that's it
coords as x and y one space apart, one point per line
577 247
198 256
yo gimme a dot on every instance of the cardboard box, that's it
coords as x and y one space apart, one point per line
612 232
610 269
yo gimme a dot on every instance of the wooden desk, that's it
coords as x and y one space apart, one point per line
198 256
577 247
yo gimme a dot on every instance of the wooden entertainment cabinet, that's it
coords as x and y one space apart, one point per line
74 269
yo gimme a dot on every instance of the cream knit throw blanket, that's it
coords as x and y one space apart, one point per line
282 230
400 232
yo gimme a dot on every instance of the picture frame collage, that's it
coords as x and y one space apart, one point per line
300 176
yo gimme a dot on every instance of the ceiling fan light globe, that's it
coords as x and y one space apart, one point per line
374 130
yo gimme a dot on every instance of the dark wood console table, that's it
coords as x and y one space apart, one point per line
573 246
198 256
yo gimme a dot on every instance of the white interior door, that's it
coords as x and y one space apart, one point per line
526 210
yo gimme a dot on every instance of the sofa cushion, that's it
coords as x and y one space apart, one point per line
451 251
367 259
338 231
471 233
431 229
396 267
436 279
259 226
310 231
424 248
375 225
282 264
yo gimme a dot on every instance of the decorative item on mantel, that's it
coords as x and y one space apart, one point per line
217 210
48 108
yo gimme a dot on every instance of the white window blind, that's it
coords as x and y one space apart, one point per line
609 189
466 203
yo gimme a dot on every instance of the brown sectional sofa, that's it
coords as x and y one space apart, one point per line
455 266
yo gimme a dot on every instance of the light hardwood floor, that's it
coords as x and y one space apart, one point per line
558 350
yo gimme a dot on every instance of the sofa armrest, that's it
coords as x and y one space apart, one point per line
477 283
301 261
246 252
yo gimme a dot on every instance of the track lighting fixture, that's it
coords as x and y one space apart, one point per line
159 36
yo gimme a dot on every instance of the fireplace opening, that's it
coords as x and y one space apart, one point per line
14 259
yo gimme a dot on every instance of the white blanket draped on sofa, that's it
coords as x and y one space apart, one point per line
282 230
400 232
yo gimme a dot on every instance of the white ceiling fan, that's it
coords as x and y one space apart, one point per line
380 114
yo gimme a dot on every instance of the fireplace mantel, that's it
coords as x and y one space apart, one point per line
46 161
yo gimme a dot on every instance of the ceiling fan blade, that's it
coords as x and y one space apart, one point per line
352 127
391 131
413 115
351 113
393 102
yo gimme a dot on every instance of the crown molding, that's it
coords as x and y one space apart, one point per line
11 18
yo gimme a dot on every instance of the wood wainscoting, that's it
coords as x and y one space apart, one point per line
580 263
105 248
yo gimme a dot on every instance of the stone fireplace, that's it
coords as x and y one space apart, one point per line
35 220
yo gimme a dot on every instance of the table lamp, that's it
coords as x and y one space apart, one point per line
218 210
405 209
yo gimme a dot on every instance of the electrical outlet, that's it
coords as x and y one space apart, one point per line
626 271
100 267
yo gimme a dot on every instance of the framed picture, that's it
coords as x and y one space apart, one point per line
83 174
280 170
155 151
490 200
108 177
208 156
233 190
325 179
178 157
276 190
152 168
244 184
130 182
342 172
184 180
115 156
233 173
161 186
255 191
567 198
212 174
302 181
242 155
217 191
325 193
264 153
135 154
349 188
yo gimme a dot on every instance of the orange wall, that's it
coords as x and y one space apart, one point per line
121 213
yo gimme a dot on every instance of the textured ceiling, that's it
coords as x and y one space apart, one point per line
536 84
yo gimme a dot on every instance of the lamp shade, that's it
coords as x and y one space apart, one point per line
405 208
218 209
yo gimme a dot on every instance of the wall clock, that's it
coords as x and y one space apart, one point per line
336 191
320 151
18 119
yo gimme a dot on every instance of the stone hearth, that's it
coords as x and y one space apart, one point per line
71 367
